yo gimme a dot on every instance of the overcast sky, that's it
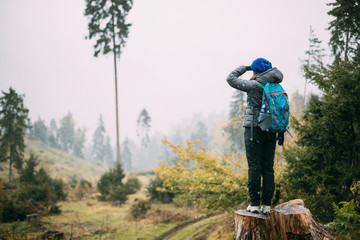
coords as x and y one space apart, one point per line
175 62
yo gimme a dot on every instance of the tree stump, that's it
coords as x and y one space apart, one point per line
287 221
52 235
31 217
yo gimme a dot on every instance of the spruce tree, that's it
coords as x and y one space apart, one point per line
345 28
13 125
314 54
143 127
126 155
234 127
53 134
98 146
325 162
201 134
109 155
79 142
40 130
66 132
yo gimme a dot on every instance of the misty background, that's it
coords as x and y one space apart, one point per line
174 64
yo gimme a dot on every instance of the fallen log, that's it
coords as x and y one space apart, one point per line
287 221
52 235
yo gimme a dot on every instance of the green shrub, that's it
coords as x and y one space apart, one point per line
83 189
111 187
73 181
140 208
132 185
158 192
13 211
33 191
85 183
347 217
38 186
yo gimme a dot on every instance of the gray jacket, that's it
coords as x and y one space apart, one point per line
254 90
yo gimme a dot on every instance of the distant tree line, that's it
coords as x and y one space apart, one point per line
65 136
72 139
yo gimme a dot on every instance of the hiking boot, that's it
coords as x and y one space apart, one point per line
265 209
253 209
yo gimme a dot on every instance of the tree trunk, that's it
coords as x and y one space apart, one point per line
287 221
10 168
116 98
346 46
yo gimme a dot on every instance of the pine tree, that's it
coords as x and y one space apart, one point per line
79 142
201 134
314 55
108 27
67 132
40 130
345 28
177 139
13 125
234 127
297 105
52 136
325 162
109 156
111 186
126 155
98 146
143 127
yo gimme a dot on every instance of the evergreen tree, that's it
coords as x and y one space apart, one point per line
111 186
325 162
79 141
13 125
126 155
52 135
98 146
108 27
314 55
40 130
66 132
297 105
201 134
30 131
177 139
234 127
109 156
345 28
143 127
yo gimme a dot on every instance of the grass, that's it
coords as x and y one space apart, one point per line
92 219
57 163
92 216
208 228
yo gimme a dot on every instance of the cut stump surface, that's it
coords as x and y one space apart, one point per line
287 221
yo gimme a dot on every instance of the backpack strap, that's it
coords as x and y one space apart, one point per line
252 108
252 122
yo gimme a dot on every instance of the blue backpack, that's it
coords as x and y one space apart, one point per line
274 112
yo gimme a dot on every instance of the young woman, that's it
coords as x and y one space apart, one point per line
260 145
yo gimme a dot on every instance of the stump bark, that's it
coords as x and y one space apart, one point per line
287 221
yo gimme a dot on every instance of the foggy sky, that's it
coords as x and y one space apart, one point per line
175 62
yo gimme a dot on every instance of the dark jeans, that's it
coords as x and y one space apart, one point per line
260 156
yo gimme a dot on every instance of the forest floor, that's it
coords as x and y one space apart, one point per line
92 219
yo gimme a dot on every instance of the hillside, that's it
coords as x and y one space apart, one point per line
58 163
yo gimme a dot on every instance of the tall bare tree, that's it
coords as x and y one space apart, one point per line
108 27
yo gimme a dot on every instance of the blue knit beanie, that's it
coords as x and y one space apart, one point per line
260 65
